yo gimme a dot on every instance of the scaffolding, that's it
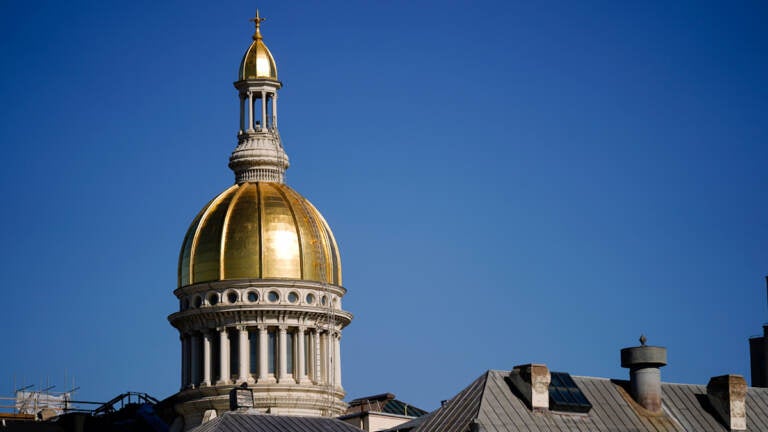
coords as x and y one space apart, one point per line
43 404
29 403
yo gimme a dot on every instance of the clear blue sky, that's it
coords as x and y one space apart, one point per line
508 182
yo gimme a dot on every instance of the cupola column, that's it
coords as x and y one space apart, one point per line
242 114
263 367
325 364
250 111
223 356
244 375
283 356
206 358
195 378
300 354
263 110
337 360
316 368
184 361
274 110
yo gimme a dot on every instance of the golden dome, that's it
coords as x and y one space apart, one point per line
259 231
258 62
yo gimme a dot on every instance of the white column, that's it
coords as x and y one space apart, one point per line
245 365
282 375
274 111
337 359
223 356
263 356
310 356
184 365
206 358
300 355
316 353
195 360
263 109
250 111
242 113
325 374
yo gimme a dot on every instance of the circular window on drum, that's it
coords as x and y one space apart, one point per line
310 299
252 296
232 297
293 297
213 299
273 296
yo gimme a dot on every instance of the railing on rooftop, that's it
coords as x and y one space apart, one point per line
31 403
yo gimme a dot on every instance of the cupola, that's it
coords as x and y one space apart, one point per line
257 62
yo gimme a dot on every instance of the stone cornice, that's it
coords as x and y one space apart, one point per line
223 285
232 316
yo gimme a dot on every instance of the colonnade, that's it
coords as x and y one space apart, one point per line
248 117
262 355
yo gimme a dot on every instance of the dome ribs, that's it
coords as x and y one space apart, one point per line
297 227
333 250
238 254
186 248
204 261
259 230
281 257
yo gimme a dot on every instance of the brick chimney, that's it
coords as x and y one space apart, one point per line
532 381
728 396
644 374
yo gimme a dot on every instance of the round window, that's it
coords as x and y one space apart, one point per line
293 297
253 296
198 301
310 298
273 296
232 297
213 299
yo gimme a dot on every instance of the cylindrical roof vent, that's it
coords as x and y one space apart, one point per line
644 373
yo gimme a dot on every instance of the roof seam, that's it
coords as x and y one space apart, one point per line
225 231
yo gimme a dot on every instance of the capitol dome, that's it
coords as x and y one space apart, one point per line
259 231
259 279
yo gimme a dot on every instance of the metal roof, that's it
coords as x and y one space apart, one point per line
456 415
384 403
688 404
490 404
244 422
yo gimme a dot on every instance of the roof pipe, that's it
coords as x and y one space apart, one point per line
644 363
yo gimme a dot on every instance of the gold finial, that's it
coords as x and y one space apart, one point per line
257 20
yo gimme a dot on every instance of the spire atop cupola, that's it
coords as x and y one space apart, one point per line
259 155
257 20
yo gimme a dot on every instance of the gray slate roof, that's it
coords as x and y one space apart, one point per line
489 404
243 422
